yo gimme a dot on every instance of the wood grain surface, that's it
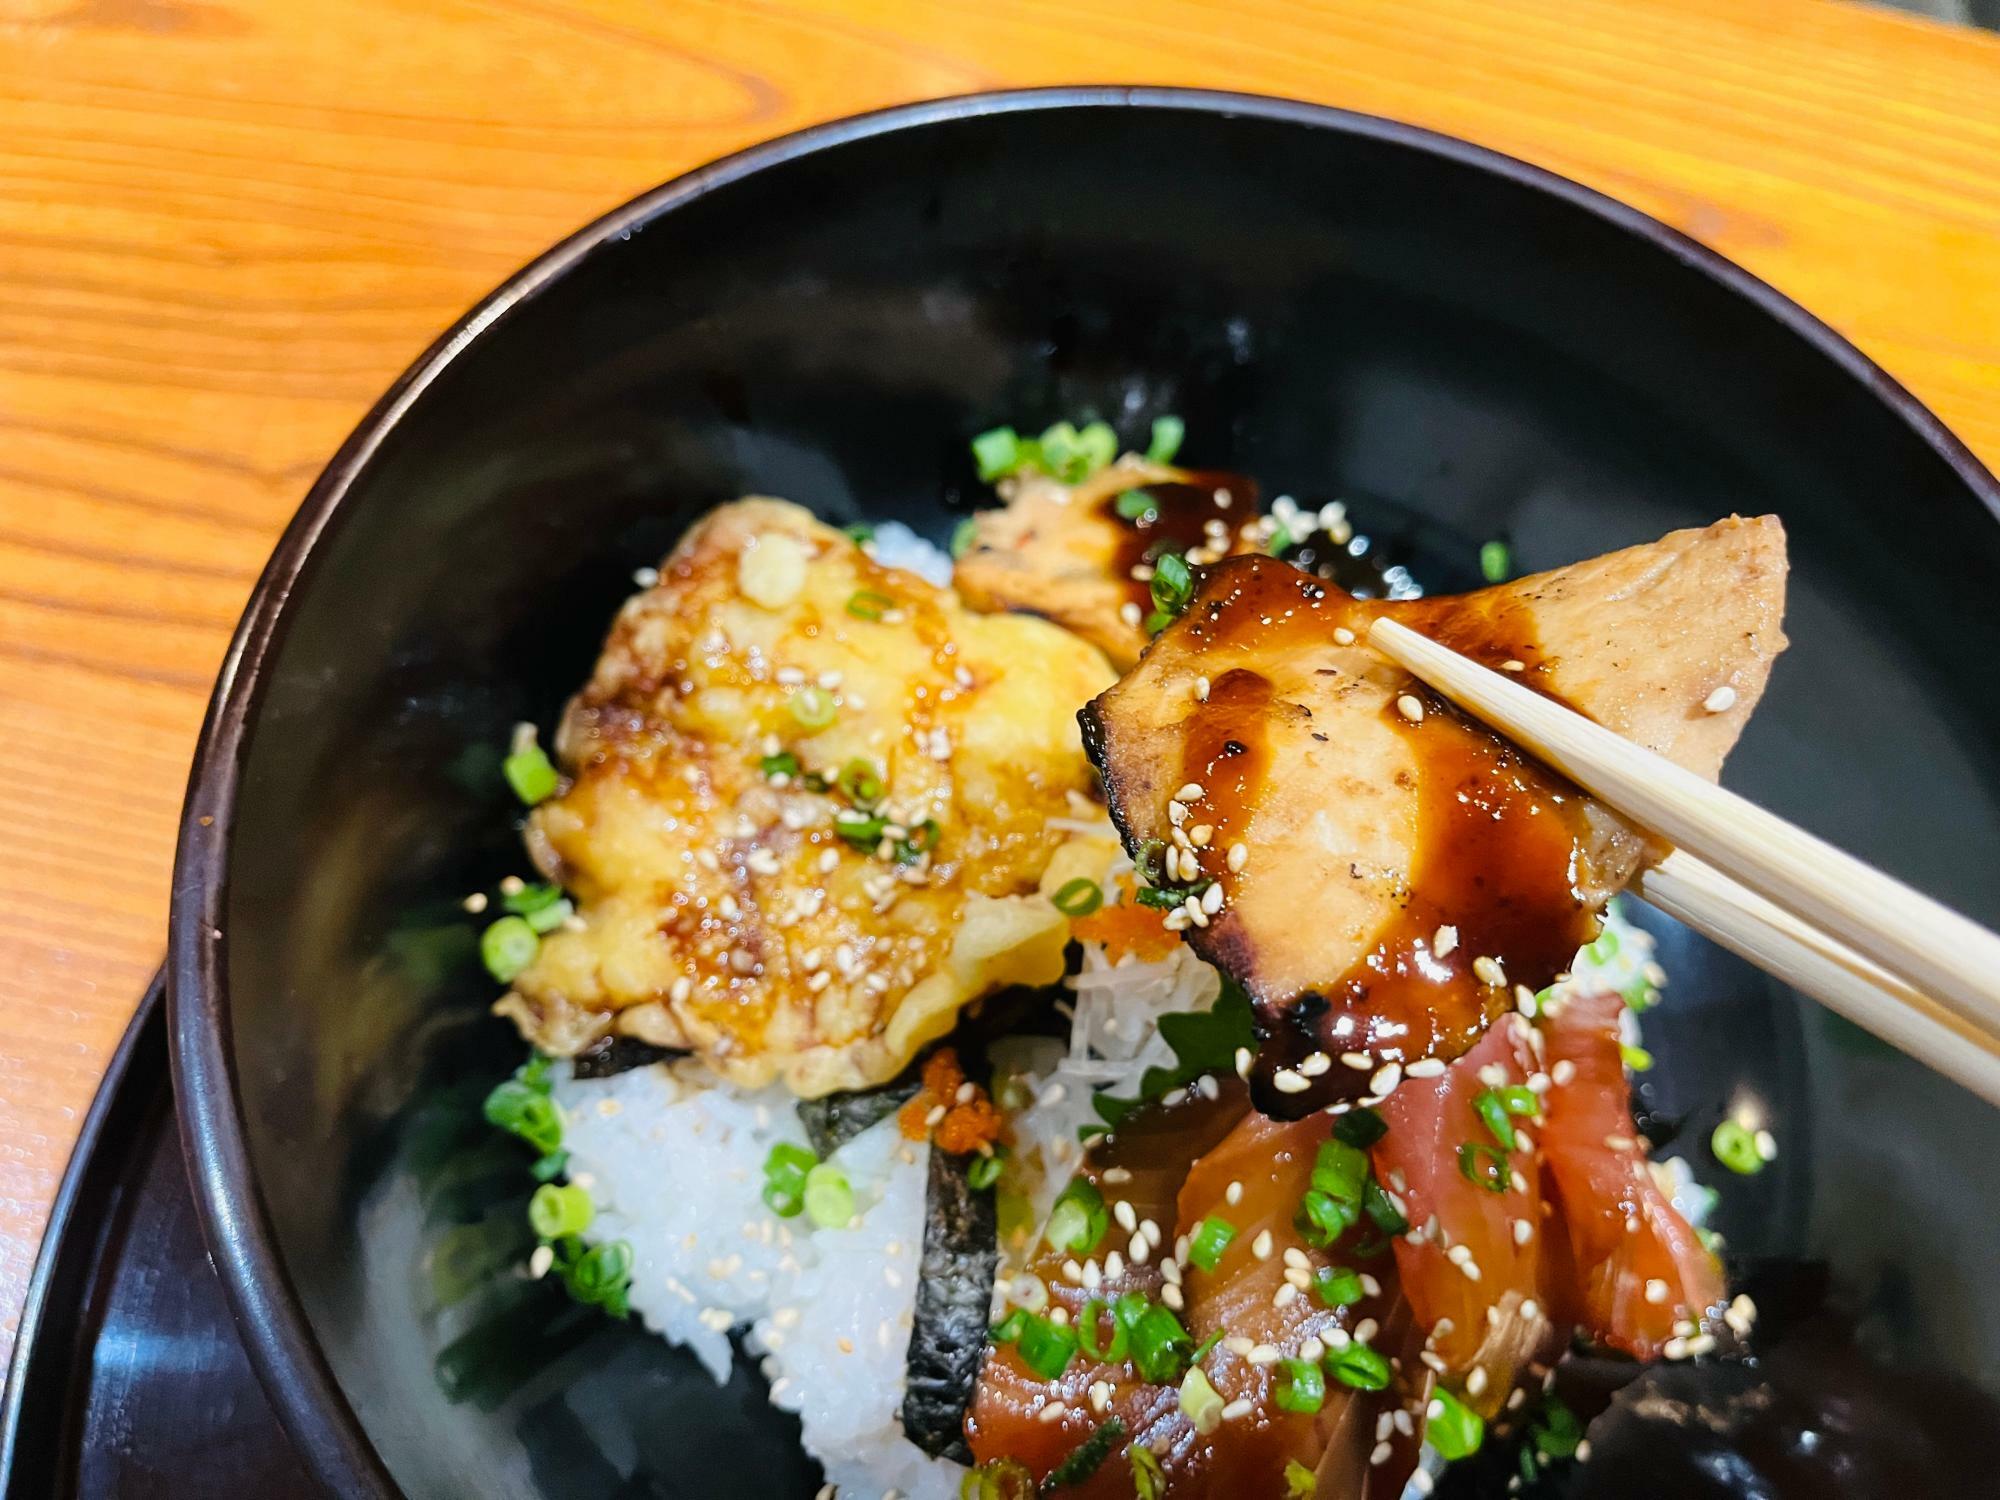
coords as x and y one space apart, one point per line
225 225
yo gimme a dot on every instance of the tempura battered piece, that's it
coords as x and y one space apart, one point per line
806 811
1065 552
1383 875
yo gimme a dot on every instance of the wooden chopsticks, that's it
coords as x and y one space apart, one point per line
1890 959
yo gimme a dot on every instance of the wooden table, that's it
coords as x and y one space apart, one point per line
226 224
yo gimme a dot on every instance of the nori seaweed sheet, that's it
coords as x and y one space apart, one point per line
954 1299
835 1120
611 1055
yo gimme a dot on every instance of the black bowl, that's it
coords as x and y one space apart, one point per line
1340 305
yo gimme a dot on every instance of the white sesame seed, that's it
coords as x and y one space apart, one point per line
1434 1360
1290 1081
1114 1266
1241 1407
1201 689
1425 1067
475 903
1523 1231
1285 1296
1767 1145
1386 1078
1294 1256
1656 1291
1130 613
1721 700
1115 1176
1171 1296
1100 1396
1239 854
1263 1354
1141 1250
1243 1061
1366 1330
1261 1246
1458 1255
1201 835
1342 636
1530 1310
1410 708
1051 1411
1191 792
681 989
539 1263
1361 1062
1488 971
1314 1063
1563 1072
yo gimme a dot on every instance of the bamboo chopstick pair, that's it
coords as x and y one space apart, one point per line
1918 975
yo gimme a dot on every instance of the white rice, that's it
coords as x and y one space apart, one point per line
894 545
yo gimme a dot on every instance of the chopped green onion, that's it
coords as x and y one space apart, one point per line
1321 1218
1452 1427
1046 1348
1359 1366
860 533
1201 1403
1557 1433
985 1170
1078 1221
1147 860
507 947
1638 1059
1211 1237
1079 897
1167 435
1605 948
866 604
1300 1386
1484 1165
549 1167
813 707
1009 1328
786 1171
860 783
1338 1287
1281 540
1493 1114
1136 505
1157 621
1160 1345
863 833
1149 1480
1300 1482
521 1107
1340 1171
530 774
998 1479
1376 1203
962 535
549 918
1735 1146
921 840
532 898
1201 1349
1088 1456
1360 1128
1164 896
997 452
556 1211
1173 584
829 1200
601 1277
784 763
1086 1334
1099 446
1495 562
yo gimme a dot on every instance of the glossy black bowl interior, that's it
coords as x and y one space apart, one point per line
1339 306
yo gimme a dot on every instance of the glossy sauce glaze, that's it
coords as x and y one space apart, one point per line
1498 848
1204 511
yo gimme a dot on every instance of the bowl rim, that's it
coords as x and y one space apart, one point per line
234 1218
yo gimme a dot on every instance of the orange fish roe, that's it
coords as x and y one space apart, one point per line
1127 927
957 1115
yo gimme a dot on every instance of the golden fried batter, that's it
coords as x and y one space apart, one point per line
742 908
